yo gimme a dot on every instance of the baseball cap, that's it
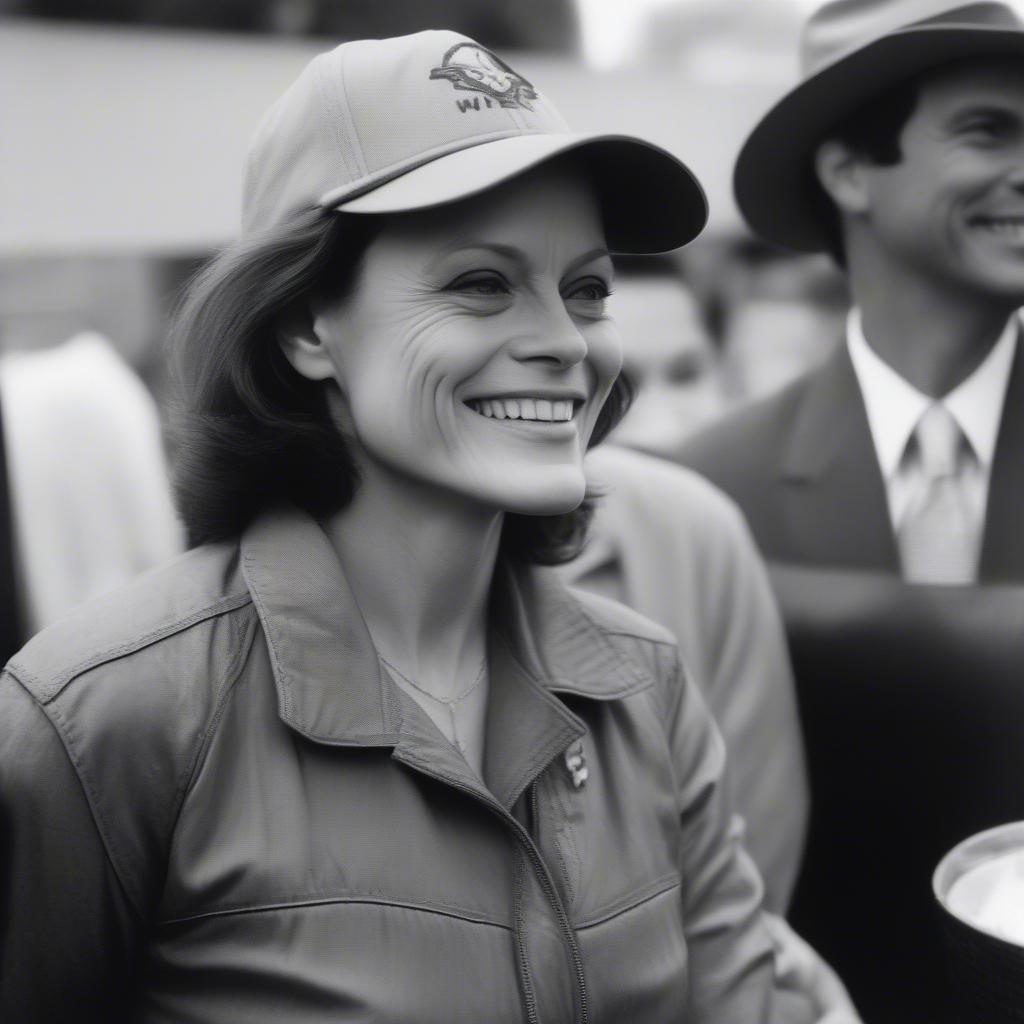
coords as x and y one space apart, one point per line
383 126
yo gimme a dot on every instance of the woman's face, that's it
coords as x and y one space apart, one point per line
475 352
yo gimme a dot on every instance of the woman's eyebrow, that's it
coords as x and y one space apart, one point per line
516 255
509 252
585 258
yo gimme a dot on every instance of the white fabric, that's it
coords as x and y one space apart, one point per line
894 407
89 490
940 533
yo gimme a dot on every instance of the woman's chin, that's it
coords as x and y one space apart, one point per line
545 493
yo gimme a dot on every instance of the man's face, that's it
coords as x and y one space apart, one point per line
953 207
668 355
475 354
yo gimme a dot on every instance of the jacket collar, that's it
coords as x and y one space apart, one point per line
315 633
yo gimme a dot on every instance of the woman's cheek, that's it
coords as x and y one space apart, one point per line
604 351
604 359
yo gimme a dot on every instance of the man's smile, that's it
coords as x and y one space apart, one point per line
1006 227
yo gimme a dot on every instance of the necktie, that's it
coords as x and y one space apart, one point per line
940 536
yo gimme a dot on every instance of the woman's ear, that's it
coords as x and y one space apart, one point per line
841 173
302 344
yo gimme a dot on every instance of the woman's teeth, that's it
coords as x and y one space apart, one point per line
559 411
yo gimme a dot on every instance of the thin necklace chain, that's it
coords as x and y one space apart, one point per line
448 702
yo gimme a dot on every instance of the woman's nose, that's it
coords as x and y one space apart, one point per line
554 337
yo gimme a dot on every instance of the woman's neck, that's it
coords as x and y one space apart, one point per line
420 562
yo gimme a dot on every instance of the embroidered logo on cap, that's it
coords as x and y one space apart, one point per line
471 68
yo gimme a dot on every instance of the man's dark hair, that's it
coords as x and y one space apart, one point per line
872 130
250 430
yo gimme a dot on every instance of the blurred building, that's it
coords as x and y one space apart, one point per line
120 160
542 25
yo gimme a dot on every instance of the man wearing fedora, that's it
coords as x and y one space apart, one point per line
900 153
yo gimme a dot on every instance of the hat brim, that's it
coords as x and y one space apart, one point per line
650 200
770 178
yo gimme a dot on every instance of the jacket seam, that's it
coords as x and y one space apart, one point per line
227 689
675 703
603 634
526 987
62 727
66 731
281 676
549 751
298 903
545 744
65 678
557 684
659 641
659 887
561 829
87 796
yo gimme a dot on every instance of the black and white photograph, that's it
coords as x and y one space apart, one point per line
511 512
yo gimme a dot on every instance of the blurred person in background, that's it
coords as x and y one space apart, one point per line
675 548
904 158
88 496
360 718
670 358
782 314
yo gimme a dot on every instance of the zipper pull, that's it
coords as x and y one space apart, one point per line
577 764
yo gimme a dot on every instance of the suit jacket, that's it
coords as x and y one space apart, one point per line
875 701
802 467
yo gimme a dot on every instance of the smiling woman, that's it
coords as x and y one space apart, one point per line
356 756
254 431
514 310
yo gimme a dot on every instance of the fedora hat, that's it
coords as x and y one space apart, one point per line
852 51
384 126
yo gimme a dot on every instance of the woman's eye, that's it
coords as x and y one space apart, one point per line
591 290
480 284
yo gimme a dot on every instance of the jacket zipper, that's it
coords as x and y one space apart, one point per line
546 884
521 958
563 917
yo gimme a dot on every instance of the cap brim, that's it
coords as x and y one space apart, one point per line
651 201
770 180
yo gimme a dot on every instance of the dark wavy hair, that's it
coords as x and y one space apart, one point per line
249 430
873 130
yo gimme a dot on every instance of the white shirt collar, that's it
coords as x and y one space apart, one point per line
894 406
